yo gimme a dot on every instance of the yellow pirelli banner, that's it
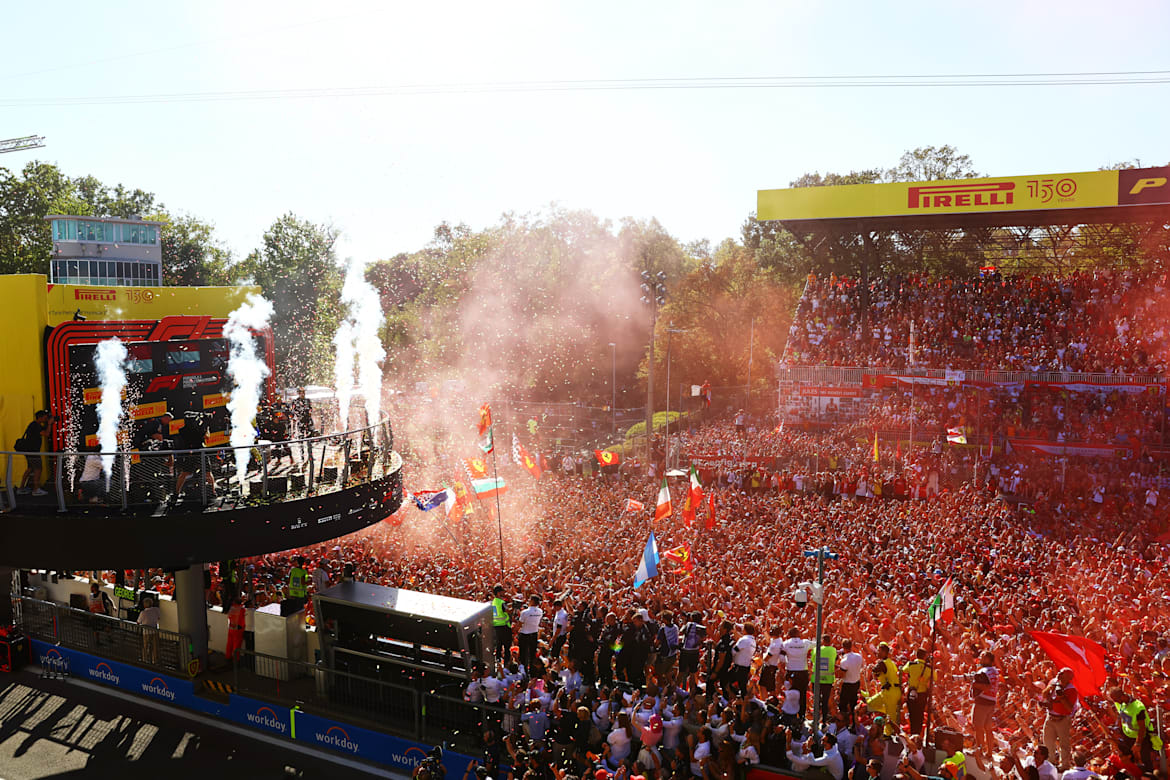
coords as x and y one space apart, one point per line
64 301
1092 189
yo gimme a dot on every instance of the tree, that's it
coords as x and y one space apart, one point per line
929 163
191 257
297 270
25 200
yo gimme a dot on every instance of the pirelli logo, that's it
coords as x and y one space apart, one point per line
940 196
1143 185
214 401
95 294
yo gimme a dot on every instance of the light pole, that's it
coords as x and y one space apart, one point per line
613 387
670 331
653 295
816 591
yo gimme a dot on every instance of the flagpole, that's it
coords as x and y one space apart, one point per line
499 513
930 665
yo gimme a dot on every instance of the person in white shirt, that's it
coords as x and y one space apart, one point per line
1038 759
830 759
560 629
617 744
795 652
701 753
148 618
671 729
771 663
850 665
741 659
320 577
530 618
1079 771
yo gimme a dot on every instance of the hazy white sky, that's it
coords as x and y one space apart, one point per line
386 169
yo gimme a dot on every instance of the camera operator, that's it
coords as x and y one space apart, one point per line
431 767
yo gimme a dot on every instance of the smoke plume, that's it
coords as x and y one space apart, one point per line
359 334
110 361
247 371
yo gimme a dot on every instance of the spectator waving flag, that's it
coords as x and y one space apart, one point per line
524 459
634 506
648 566
426 500
943 605
607 458
682 556
956 436
1085 657
663 508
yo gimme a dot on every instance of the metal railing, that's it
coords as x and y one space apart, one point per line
406 711
108 637
165 478
855 375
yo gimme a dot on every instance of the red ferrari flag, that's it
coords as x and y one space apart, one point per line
485 419
634 506
688 511
476 468
1085 657
607 458
682 556
524 459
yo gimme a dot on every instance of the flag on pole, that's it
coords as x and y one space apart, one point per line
524 459
476 468
607 458
452 503
487 488
875 448
956 436
487 442
710 512
696 488
634 506
648 566
663 508
485 419
1085 657
943 605
688 510
426 500
682 556
707 394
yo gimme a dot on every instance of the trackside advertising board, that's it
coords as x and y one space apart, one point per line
396 752
1091 189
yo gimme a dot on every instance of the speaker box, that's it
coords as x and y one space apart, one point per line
948 741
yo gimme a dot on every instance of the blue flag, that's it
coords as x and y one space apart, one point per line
648 566
426 500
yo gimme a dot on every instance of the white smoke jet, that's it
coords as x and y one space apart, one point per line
110 361
343 371
364 321
247 371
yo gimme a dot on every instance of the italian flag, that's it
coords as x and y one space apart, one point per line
663 508
486 488
696 489
943 605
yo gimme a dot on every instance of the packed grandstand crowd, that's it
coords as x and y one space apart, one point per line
659 681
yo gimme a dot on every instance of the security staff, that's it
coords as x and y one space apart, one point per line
918 676
888 699
824 666
298 579
237 622
1136 735
501 622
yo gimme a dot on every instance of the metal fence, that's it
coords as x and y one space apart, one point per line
855 375
108 637
420 715
208 478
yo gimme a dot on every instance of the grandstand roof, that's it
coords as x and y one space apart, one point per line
1138 195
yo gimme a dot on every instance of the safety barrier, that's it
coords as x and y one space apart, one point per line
855 375
429 717
109 637
161 479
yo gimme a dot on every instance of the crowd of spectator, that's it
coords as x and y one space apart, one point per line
1096 322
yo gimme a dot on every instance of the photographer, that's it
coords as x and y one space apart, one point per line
431 767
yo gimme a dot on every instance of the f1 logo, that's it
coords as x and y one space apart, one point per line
1143 185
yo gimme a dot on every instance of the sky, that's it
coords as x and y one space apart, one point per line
384 169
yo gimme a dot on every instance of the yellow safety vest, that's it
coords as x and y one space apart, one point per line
499 614
959 762
296 582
